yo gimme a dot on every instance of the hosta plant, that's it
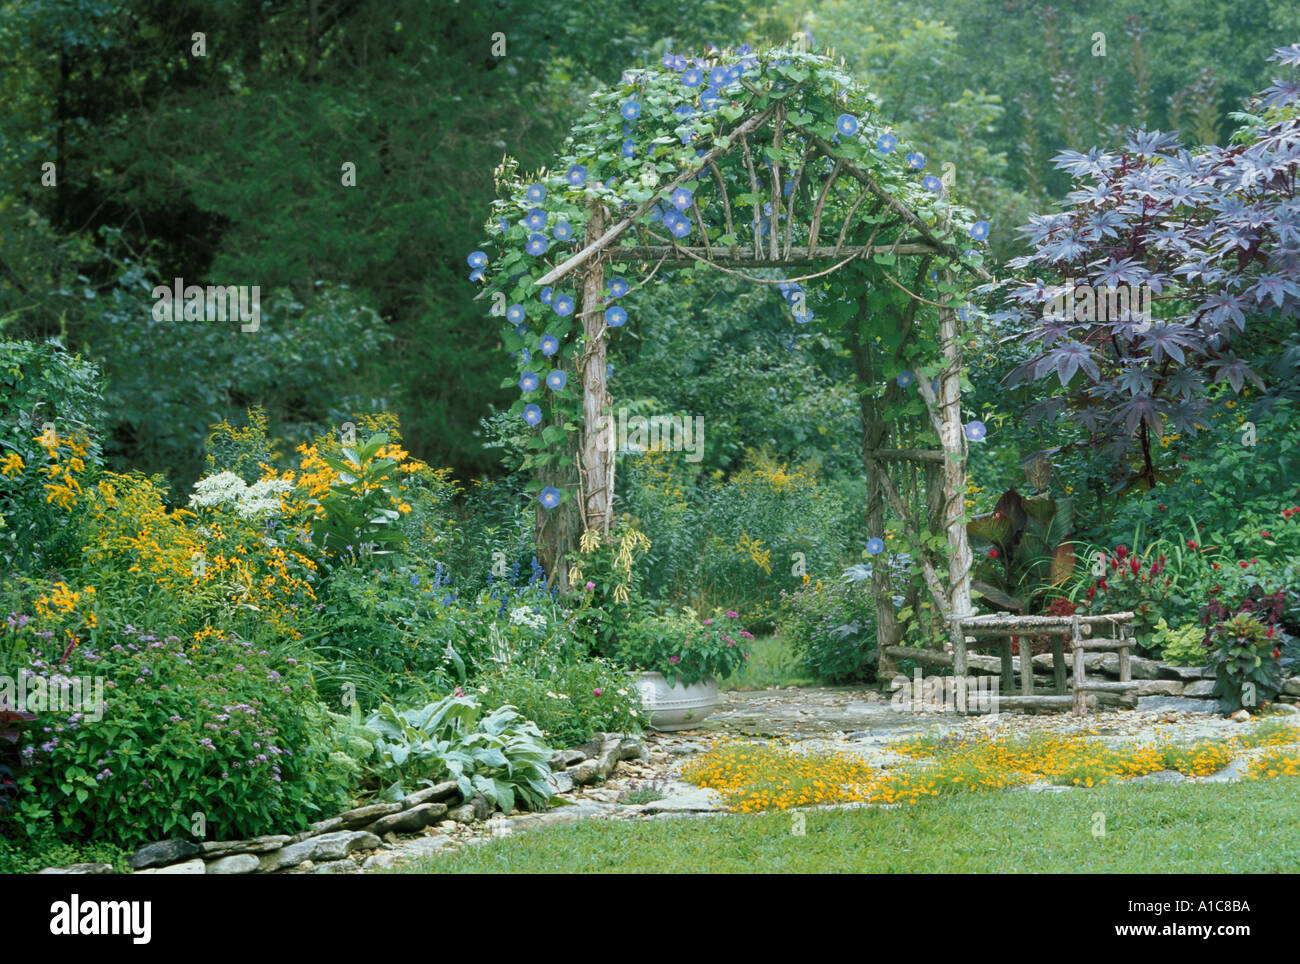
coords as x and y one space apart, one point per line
499 755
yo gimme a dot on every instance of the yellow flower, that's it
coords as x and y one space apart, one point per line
12 465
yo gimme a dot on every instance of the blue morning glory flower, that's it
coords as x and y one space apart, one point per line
528 382
549 498
692 77
562 231
629 148
685 110
477 259
615 317
521 330
532 414
886 143
515 314
563 305
536 245
682 198
846 125
667 61
916 160
556 380
505 225
550 345
680 228
536 193
934 385
719 76
803 315
609 369
931 183
979 230
547 295
976 430
477 275
627 130
630 110
617 288
905 379
526 355
875 545
536 220
710 98
679 63
966 312
577 175
734 73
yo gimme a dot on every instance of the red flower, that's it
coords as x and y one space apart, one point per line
1214 565
1277 653
1134 564
1121 551
1244 564
1191 544
1264 534
1161 508
993 553
1092 592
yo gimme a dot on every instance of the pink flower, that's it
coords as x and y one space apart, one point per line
590 586
708 622
597 691
459 692
733 615
674 660
745 634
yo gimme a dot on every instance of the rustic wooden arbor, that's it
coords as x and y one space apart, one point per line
769 186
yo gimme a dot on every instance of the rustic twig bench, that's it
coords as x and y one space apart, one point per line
997 629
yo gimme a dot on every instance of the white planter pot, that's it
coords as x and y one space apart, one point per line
676 707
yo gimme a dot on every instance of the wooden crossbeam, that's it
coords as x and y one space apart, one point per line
819 256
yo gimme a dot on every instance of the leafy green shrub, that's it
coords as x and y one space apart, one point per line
1245 649
499 754
1184 646
832 628
608 576
51 418
43 848
569 696
215 726
685 648
356 515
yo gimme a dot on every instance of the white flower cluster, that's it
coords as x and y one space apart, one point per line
523 616
227 490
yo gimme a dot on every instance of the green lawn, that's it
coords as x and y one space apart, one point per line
771 663
1249 827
